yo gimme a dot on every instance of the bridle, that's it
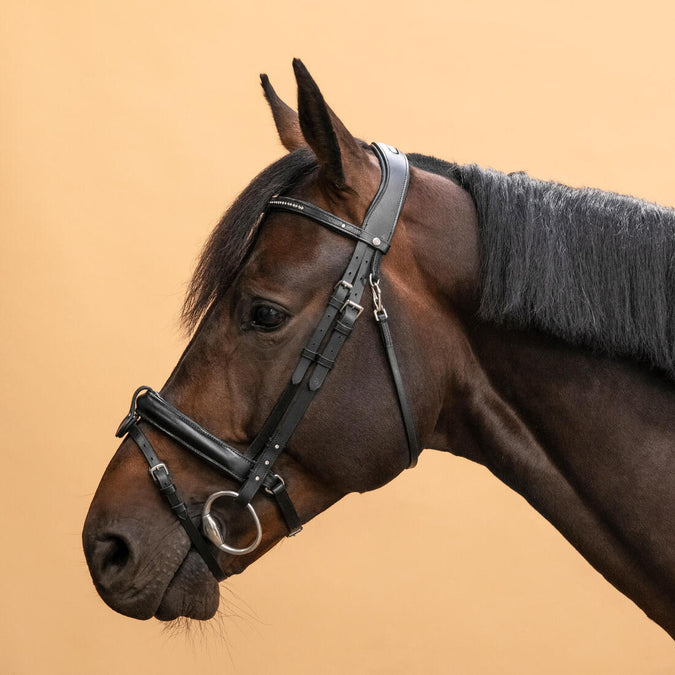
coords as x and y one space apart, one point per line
255 469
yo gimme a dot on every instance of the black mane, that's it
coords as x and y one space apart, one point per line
233 237
591 267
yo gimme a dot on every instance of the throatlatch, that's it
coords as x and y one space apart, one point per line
254 469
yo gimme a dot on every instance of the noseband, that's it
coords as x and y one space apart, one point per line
254 469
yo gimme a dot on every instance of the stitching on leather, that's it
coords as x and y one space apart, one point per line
196 427
171 434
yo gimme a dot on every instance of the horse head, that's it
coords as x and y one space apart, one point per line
267 279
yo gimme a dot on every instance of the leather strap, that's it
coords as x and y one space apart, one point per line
152 408
341 295
296 410
160 474
285 505
332 222
406 413
156 411
378 228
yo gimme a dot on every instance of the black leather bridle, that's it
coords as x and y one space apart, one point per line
254 469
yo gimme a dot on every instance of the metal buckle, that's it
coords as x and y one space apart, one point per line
156 467
213 533
269 491
351 303
345 284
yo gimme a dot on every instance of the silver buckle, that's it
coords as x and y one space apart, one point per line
152 470
354 305
345 284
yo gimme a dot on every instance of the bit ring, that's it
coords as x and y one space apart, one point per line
213 533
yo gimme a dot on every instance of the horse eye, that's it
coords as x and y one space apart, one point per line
266 317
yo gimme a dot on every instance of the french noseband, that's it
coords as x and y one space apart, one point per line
254 469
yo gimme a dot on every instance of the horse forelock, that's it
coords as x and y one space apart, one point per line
230 242
593 268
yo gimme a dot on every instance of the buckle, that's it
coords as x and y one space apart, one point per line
156 468
353 305
281 484
344 284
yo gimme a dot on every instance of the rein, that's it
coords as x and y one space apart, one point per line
254 470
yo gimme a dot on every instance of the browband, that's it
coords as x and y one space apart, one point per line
332 222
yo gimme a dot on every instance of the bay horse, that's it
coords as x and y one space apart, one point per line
521 324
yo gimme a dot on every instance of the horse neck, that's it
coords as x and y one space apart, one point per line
567 398
559 425
587 440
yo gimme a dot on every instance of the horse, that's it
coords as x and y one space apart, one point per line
521 324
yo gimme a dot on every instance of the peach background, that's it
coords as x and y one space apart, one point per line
127 128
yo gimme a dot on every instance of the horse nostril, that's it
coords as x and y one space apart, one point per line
114 554
110 556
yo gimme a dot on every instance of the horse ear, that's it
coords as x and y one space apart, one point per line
285 118
339 153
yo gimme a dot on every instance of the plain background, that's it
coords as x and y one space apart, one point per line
126 129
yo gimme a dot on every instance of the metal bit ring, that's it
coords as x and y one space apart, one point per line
213 533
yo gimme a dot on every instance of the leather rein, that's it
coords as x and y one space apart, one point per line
254 470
